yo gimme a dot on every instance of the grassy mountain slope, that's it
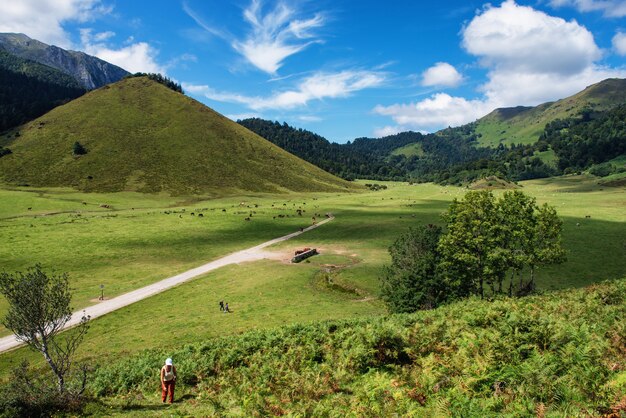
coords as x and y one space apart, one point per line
142 136
523 125
560 354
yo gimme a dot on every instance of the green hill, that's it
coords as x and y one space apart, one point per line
524 125
139 135
560 354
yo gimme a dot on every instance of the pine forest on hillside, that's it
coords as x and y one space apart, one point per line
455 156
28 90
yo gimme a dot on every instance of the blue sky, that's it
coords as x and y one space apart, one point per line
346 69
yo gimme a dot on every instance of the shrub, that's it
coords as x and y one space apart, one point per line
78 149
560 353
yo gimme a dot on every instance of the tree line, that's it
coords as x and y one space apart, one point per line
161 79
453 155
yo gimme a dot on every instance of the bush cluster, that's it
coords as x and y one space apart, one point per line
560 354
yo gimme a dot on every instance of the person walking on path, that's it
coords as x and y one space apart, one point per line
222 305
168 380
226 310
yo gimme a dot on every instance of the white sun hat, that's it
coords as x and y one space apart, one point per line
168 362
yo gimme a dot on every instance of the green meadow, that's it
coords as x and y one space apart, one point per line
128 240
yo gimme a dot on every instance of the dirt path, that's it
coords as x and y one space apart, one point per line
104 307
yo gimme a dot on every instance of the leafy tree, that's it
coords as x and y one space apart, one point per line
78 149
488 238
411 282
471 248
39 308
547 245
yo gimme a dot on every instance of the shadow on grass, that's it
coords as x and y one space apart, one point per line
596 251
576 184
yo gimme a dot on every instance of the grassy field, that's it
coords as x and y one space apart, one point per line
409 150
134 242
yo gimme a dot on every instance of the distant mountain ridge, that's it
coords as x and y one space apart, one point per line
517 143
524 125
139 135
91 72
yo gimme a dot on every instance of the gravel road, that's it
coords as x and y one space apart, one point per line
104 307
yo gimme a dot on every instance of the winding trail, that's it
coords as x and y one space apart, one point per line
94 311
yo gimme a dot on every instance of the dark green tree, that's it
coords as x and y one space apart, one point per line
471 248
39 309
486 238
78 149
412 282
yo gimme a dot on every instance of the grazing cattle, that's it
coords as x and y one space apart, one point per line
200 215
587 216
223 210
247 219
577 224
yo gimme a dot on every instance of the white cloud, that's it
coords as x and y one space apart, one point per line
135 57
529 41
309 118
274 34
103 36
531 58
610 8
319 86
510 88
441 74
386 131
619 43
439 110
43 19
